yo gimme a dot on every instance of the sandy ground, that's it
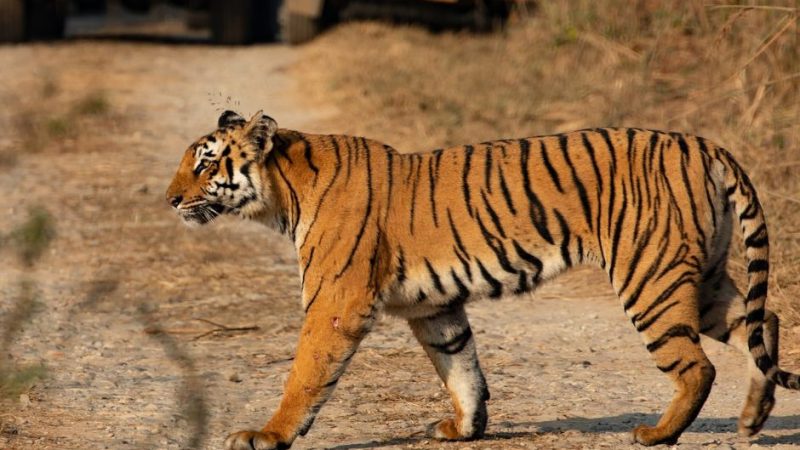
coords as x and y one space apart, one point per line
565 368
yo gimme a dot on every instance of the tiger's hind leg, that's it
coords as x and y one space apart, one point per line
670 326
447 339
723 319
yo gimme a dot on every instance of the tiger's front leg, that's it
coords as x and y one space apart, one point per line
447 339
328 340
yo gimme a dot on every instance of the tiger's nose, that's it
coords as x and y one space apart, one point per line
175 201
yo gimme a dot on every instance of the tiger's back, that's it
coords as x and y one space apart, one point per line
419 235
500 217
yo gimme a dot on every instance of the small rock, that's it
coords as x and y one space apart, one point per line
235 377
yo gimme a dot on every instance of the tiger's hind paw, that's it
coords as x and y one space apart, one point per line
254 440
751 422
447 430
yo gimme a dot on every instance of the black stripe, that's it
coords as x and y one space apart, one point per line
641 244
749 212
487 170
565 236
587 207
390 179
599 178
493 215
462 293
373 259
536 210
690 195
764 363
456 236
294 200
758 265
687 367
677 260
465 178
314 296
229 168
497 247
418 159
550 169
454 345
642 326
679 330
757 291
437 283
532 260
617 231
497 287
670 367
307 154
754 316
757 238
308 263
368 212
522 283
432 182
685 278
464 263
324 195
504 189
401 266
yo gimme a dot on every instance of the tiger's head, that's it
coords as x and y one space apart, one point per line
222 172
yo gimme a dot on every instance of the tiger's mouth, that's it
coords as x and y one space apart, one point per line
201 214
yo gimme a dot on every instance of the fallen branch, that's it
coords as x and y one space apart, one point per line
222 329
218 329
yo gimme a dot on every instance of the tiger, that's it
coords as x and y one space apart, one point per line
420 235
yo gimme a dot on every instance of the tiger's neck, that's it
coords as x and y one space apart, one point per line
306 169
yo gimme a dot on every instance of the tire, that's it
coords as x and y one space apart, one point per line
231 21
12 20
300 28
137 6
265 23
45 19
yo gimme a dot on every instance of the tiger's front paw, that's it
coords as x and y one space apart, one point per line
648 436
254 440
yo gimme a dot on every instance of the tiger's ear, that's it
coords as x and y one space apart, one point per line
260 129
229 118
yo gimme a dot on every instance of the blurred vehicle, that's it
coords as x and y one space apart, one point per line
244 21
32 19
231 21
304 19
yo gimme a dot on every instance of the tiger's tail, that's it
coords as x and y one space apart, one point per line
742 195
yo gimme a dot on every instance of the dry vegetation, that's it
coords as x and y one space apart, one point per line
726 72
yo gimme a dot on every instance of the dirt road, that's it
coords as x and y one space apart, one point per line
565 368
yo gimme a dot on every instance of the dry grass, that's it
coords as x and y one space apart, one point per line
48 120
728 73
29 241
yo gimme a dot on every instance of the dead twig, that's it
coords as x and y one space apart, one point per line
749 7
218 329
222 329
780 196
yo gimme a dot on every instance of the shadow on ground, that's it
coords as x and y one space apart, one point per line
615 424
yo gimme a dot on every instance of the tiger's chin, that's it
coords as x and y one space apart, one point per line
202 214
